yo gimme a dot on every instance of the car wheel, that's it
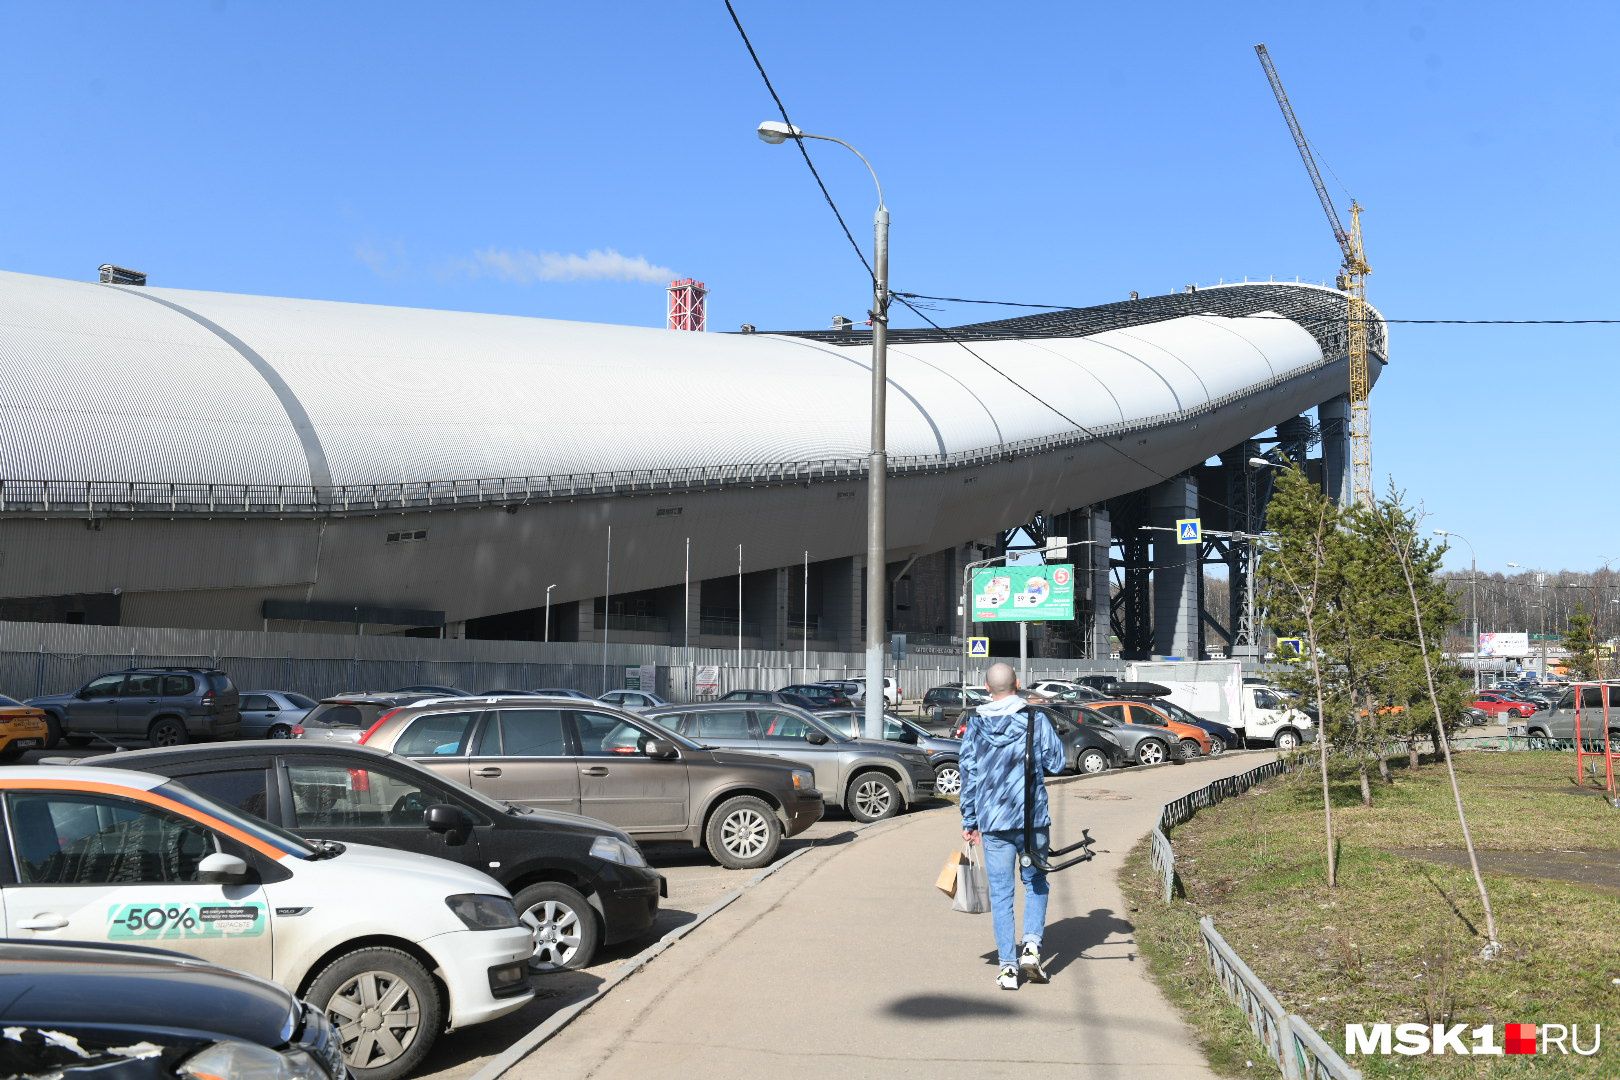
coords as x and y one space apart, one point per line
1217 746
872 797
167 731
53 731
1287 740
1151 752
78 740
279 731
567 934
948 779
1093 761
386 1009
1536 733
1190 749
743 833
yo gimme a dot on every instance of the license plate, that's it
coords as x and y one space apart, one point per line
26 744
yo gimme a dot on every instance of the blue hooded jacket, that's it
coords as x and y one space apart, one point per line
993 766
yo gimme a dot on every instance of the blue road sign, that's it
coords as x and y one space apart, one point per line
978 646
1189 531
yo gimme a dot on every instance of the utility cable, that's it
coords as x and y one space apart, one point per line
735 21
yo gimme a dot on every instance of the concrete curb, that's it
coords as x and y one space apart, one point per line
554 1023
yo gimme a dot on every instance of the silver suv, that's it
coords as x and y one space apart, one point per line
165 706
1558 721
871 780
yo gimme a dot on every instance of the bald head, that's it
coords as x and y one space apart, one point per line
1000 680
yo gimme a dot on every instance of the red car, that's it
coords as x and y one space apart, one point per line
1497 706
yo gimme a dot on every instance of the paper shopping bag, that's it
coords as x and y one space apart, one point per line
972 885
946 882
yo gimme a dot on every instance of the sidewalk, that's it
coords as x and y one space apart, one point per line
850 963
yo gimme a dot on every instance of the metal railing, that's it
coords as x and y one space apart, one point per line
1297 1048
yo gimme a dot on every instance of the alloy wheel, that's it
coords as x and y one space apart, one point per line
745 833
557 938
873 798
948 780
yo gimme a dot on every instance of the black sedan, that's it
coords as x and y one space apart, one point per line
584 881
80 1009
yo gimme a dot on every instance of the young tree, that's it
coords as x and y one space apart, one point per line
1303 520
1582 661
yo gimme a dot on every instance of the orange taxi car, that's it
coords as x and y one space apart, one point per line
1137 712
21 728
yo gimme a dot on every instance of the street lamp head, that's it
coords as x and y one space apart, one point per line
1442 532
1516 566
1260 463
775 132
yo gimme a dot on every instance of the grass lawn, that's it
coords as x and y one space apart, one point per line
1399 940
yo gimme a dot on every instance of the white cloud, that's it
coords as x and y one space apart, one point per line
386 262
524 267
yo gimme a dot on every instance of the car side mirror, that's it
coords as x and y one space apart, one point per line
660 749
815 738
449 820
222 869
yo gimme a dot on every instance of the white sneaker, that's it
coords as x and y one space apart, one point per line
1029 961
1008 979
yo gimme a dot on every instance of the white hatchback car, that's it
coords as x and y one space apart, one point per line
393 946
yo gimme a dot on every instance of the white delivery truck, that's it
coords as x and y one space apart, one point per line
1215 690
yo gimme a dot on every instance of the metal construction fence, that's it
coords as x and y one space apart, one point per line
39 658
1297 1048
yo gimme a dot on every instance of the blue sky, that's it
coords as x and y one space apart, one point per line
476 156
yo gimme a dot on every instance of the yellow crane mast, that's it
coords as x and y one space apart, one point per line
1353 282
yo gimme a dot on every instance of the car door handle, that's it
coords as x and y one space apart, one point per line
489 772
594 770
49 920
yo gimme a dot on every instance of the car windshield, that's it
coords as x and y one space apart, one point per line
299 701
667 722
260 830
339 715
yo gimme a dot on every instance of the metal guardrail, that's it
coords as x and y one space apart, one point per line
1297 1048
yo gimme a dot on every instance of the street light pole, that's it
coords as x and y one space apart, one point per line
548 611
1473 596
877 471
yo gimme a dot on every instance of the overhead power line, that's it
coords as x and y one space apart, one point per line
1149 310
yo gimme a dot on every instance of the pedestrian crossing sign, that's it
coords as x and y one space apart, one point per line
1189 531
978 646
1290 648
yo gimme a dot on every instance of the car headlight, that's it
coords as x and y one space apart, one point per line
1110 737
478 911
233 1060
803 780
613 849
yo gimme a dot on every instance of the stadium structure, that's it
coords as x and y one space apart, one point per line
211 460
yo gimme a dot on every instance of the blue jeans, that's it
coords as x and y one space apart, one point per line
1001 850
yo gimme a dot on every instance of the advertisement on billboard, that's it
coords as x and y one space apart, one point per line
1024 593
1504 644
707 681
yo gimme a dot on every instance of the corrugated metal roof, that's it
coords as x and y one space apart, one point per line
99 383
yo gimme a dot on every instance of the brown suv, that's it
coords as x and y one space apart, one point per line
568 755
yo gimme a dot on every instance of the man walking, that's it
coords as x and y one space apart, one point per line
992 804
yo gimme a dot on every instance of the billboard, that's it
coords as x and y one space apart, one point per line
1024 593
1504 644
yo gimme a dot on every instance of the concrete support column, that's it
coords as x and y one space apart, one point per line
1099 644
587 631
1176 629
1334 416
842 602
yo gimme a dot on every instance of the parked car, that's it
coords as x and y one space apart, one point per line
820 696
944 703
434 691
1558 722
870 780
1075 695
22 727
1499 705
769 697
635 700
893 696
853 689
345 718
113 855
1105 683
944 754
272 714
1146 744
162 705
1086 750
557 754
78 1009
1191 740
564 692
1222 738
584 881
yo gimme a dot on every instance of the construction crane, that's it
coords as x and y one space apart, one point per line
1352 281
